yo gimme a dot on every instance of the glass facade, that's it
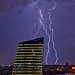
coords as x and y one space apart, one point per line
29 58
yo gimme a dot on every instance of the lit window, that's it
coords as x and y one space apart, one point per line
73 68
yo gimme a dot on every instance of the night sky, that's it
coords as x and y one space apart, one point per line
19 21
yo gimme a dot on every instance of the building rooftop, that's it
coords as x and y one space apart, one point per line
34 41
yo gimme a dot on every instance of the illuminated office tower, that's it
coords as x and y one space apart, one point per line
29 57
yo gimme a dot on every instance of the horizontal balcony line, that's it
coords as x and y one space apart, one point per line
31 52
31 67
29 44
28 60
28 49
29 55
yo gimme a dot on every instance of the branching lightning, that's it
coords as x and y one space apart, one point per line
47 33
41 23
32 29
37 31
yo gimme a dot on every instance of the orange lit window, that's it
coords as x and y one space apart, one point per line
73 68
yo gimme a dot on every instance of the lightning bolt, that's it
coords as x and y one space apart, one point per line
32 29
41 23
49 36
37 31
56 61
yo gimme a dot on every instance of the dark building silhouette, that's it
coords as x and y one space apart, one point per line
29 58
5 70
58 69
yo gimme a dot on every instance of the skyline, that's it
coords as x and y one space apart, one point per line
16 25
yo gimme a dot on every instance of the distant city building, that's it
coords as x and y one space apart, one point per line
5 70
29 58
59 69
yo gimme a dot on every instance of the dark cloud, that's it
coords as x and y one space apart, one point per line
14 7
61 1
27 2
7 5
64 1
